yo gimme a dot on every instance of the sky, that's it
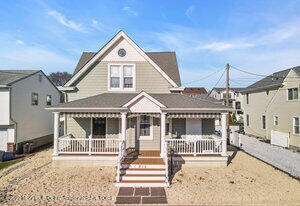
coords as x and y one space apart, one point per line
261 37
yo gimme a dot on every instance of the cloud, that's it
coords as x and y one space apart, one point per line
129 11
18 41
222 46
189 11
66 22
94 23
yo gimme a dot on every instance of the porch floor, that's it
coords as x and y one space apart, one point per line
143 153
143 161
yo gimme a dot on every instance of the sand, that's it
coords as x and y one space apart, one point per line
245 181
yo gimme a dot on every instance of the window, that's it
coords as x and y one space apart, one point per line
145 130
293 94
264 122
121 77
276 121
34 99
247 119
128 76
167 129
48 100
224 95
115 76
247 98
237 105
296 125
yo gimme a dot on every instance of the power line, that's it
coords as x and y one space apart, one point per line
219 78
261 75
215 72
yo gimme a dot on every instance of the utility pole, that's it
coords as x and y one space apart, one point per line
227 103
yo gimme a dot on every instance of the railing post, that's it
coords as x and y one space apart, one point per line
123 128
90 144
56 133
224 134
162 133
195 147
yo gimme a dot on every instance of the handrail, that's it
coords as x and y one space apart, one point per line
121 155
166 160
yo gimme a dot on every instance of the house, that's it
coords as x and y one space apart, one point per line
272 108
125 108
23 97
194 90
235 99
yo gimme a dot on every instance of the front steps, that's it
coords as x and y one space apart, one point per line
142 172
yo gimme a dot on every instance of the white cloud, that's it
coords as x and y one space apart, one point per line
94 23
66 22
129 11
189 11
18 41
222 46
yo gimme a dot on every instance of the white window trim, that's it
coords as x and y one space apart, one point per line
121 88
294 126
287 95
274 120
139 128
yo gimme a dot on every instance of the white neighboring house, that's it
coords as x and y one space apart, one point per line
24 94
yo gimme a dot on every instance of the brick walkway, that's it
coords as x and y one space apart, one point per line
141 195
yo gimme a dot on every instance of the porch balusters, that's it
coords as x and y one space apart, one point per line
90 144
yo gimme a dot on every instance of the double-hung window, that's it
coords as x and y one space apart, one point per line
296 128
293 94
145 128
276 120
121 77
34 99
48 100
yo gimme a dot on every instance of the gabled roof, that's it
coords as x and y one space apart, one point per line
8 77
272 81
118 100
87 63
194 90
165 60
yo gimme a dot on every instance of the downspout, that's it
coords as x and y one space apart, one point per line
11 119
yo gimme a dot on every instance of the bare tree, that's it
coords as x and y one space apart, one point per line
59 78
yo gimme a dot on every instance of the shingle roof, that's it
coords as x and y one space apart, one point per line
194 90
165 60
8 77
236 89
274 80
117 100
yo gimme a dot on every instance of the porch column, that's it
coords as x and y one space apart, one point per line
224 134
56 133
162 133
123 127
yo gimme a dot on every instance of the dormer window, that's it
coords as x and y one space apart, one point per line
121 77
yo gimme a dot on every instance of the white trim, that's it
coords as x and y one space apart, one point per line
274 120
143 94
177 89
198 109
294 126
107 46
287 95
121 68
139 128
60 88
90 109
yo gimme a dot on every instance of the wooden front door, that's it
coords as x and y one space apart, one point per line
99 127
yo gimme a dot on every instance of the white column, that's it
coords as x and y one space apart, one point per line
224 134
123 127
162 133
56 133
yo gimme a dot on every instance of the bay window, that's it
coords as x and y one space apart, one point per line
121 77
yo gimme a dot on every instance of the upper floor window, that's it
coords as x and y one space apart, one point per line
296 127
293 94
34 99
276 120
237 105
48 99
247 98
264 122
121 77
224 95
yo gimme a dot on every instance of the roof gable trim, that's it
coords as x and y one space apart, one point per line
139 96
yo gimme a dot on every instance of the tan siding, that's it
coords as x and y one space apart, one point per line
112 128
155 143
208 127
178 128
79 127
95 81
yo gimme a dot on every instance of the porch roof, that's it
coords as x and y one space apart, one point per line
113 102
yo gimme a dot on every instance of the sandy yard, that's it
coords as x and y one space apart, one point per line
246 180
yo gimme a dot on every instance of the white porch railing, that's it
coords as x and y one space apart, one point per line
195 146
68 145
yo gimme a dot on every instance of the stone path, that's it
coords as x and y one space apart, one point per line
141 195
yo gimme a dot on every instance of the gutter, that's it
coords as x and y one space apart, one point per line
257 89
87 109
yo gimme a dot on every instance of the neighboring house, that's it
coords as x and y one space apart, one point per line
235 99
194 90
272 108
125 108
23 97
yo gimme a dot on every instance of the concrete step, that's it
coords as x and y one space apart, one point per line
143 166
143 171
141 183
140 177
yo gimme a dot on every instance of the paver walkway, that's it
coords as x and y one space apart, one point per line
141 195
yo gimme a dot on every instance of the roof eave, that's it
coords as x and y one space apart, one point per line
257 89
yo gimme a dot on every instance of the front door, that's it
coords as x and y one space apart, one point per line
99 127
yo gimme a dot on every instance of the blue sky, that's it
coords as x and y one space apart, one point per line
257 36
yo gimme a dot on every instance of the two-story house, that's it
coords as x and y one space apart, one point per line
272 108
24 94
235 100
125 108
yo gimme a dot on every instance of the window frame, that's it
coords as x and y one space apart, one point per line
32 101
287 94
247 98
48 95
276 120
263 121
121 82
247 120
150 137
294 133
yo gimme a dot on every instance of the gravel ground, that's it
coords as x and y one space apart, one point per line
284 159
245 181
